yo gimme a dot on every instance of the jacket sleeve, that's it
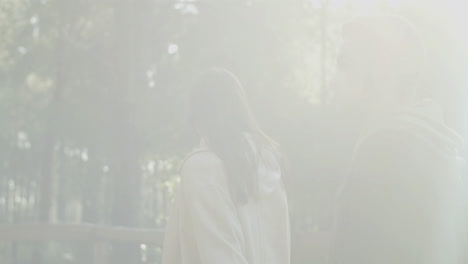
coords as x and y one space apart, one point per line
212 213
388 205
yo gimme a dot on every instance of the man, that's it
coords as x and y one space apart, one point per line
401 201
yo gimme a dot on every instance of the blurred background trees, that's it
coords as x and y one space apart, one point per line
93 115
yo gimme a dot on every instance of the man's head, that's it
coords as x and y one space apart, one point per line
380 61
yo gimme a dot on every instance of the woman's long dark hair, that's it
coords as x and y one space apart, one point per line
221 115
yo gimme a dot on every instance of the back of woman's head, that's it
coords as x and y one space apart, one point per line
221 116
388 46
219 106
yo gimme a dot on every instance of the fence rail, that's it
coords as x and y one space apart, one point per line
89 232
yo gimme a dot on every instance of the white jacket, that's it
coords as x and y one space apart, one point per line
207 227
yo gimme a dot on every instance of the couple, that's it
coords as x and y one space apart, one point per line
399 203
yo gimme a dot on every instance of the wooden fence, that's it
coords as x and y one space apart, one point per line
99 235
312 247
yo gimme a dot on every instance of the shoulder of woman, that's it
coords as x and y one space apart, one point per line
202 166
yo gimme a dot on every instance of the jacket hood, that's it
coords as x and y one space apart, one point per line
425 121
428 117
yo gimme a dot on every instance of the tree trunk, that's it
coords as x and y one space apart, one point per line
125 167
50 136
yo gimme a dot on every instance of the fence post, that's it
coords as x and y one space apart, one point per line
100 252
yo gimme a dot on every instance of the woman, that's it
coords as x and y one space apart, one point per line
231 206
